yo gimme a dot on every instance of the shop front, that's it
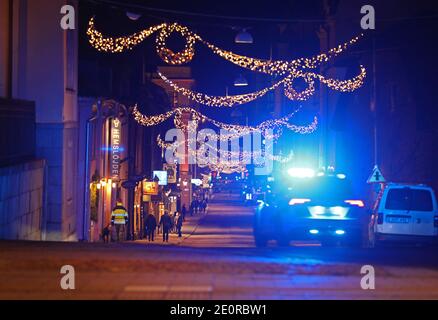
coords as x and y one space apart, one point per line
106 141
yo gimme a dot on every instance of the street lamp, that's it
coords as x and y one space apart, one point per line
133 16
244 37
240 81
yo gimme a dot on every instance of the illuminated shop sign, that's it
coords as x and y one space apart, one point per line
150 188
116 136
171 172
162 176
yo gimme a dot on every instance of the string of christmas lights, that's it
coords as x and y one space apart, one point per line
279 67
233 131
348 85
291 70
204 148
272 67
220 101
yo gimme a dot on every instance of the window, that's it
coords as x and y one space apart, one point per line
421 200
408 199
398 199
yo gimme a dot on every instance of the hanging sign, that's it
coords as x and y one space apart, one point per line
150 188
171 172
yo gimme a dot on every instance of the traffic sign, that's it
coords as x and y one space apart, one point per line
376 176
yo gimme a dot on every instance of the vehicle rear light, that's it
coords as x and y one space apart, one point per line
358 203
435 221
295 201
380 218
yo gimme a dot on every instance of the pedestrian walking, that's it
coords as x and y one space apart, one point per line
175 217
192 208
184 212
179 225
166 223
173 220
204 206
195 206
119 218
151 225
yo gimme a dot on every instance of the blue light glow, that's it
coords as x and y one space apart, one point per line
301 172
340 232
121 149
313 231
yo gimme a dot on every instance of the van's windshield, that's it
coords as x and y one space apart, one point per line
408 199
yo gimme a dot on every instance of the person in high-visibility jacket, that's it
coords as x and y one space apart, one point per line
119 218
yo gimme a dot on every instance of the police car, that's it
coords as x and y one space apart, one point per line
311 206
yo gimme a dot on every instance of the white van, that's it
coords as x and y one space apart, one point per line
404 213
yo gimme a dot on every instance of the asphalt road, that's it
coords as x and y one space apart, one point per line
216 259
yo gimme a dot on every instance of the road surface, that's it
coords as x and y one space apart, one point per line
216 259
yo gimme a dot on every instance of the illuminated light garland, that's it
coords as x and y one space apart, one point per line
276 67
279 67
120 44
168 55
242 155
348 85
335 84
219 101
149 121
233 131
344 85
291 70
292 94
222 168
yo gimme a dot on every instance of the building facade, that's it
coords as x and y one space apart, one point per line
39 65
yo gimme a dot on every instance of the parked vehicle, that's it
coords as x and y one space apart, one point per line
404 213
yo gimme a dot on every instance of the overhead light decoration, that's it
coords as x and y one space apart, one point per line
219 101
289 70
234 131
234 100
241 156
272 67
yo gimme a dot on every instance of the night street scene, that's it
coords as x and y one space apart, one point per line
211 151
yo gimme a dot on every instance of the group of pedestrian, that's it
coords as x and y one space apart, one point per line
198 206
167 223
119 219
